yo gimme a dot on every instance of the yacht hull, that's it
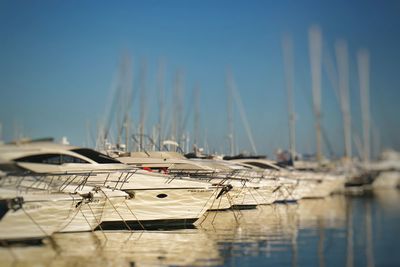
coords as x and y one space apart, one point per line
40 219
154 207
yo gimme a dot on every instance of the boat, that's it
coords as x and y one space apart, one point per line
32 210
154 199
242 192
306 184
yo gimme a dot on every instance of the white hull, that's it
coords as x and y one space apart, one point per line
222 203
158 206
39 219
92 212
255 196
316 185
286 191
387 179
325 188
241 195
42 213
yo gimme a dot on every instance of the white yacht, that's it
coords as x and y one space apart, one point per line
388 169
305 184
177 167
154 199
30 209
242 193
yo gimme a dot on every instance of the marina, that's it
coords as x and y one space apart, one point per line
199 133
162 208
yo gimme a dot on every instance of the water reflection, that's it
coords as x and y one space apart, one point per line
184 247
336 231
275 229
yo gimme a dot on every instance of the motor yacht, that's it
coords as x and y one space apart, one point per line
154 199
305 184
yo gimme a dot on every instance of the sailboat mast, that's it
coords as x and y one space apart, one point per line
127 132
343 73
315 40
363 75
243 116
196 130
142 104
230 112
160 81
288 59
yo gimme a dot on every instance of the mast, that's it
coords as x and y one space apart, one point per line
343 74
363 76
160 81
196 126
315 40
243 116
127 132
177 109
288 59
142 103
123 92
129 101
230 112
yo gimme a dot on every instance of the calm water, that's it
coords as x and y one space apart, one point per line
336 231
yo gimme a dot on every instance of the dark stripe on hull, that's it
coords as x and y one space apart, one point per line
285 201
243 207
32 241
362 180
216 209
149 224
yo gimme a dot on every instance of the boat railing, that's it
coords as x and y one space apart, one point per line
241 175
73 180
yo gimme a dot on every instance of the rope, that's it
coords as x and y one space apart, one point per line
30 217
141 225
72 210
127 226
207 202
99 222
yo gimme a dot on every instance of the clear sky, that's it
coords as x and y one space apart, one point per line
58 59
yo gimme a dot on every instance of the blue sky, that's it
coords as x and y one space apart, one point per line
58 59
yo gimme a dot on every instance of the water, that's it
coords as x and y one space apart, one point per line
336 231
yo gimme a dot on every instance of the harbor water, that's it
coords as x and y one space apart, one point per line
341 230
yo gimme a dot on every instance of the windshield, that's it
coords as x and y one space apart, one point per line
261 165
95 156
51 158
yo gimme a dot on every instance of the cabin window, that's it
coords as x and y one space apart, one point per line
55 159
95 156
71 159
